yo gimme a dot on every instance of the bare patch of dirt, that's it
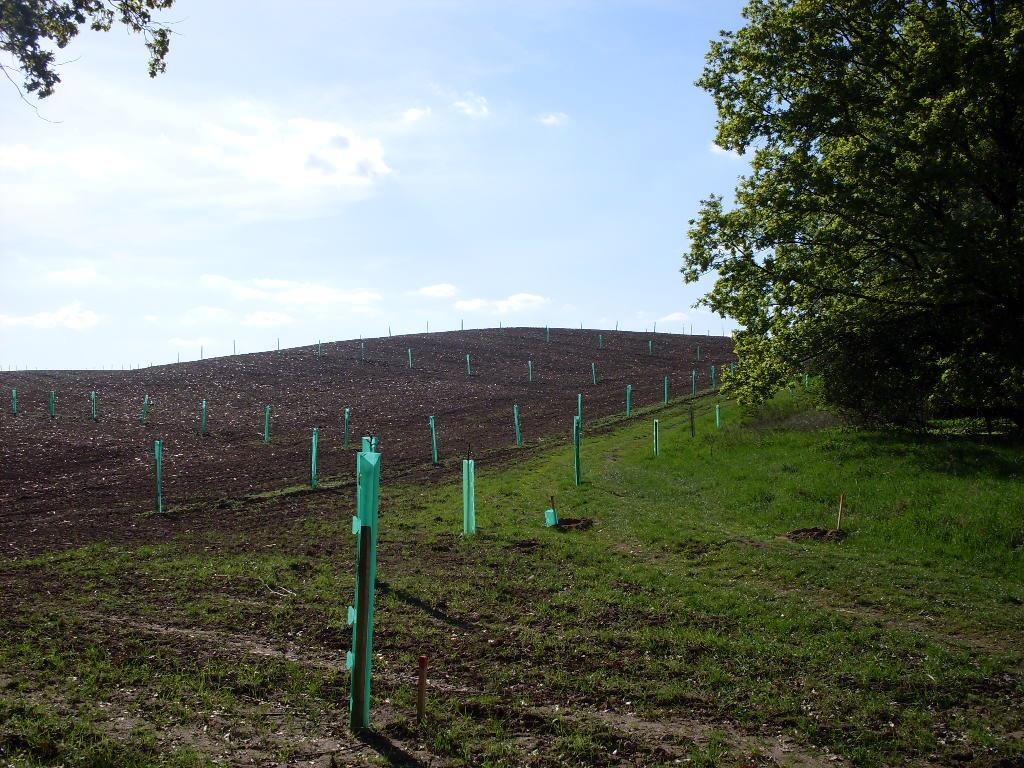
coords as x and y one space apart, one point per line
816 534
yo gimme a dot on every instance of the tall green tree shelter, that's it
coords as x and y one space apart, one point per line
878 240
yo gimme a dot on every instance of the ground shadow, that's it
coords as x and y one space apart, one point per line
387 749
413 600
998 456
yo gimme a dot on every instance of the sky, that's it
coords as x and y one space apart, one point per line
327 170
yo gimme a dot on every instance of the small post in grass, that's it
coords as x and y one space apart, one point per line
158 458
693 423
529 371
718 415
348 421
145 408
656 437
421 691
53 403
519 430
629 400
468 498
433 441
364 525
202 418
593 373
839 519
409 352
469 365
577 429
266 424
14 402
92 405
313 463
666 390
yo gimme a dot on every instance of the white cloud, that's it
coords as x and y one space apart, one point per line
71 316
674 317
266 319
82 273
472 105
518 302
290 293
415 114
163 157
439 291
151 318
554 119
204 315
723 152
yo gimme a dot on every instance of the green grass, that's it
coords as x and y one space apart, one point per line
682 626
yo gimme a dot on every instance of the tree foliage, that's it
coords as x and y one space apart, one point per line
878 240
30 29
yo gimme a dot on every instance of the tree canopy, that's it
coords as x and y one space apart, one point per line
30 29
877 241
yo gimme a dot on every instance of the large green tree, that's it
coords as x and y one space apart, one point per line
878 240
30 30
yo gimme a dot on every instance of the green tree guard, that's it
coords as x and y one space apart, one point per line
367 443
158 458
469 366
409 351
360 616
657 436
529 371
278 343
433 441
314 450
92 404
348 421
629 400
714 379
53 403
579 408
718 415
577 430
462 325
202 419
234 349
200 351
600 341
468 498
593 373
266 424
666 390
693 424
14 402
145 408
519 430
650 347
693 383
551 515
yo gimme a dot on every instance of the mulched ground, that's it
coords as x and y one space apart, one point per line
68 480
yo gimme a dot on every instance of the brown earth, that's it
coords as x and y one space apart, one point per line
69 480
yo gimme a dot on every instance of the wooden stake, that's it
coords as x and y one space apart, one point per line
421 691
839 520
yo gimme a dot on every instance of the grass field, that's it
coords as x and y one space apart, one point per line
683 627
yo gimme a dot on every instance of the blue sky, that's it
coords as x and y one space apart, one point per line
332 169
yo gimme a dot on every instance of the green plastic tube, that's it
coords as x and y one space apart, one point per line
158 458
202 422
266 424
666 390
145 408
14 402
577 430
519 430
409 351
53 403
362 350
469 366
529 371
593 373
433 441
600 341
468 498
319 350
650 347
718 415
807 381
657 436
314 450
547 334
364 525
629 400
92 404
